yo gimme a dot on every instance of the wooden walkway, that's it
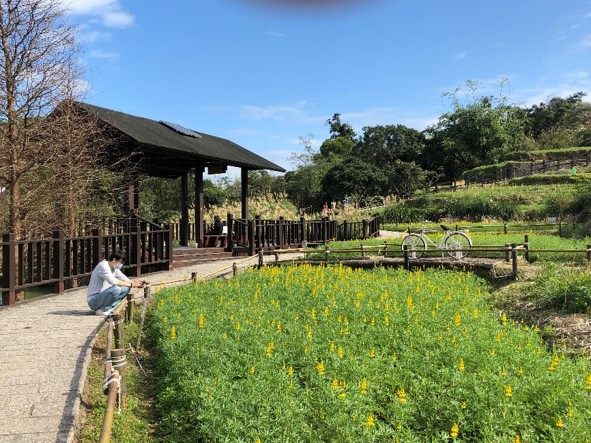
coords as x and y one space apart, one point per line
45 348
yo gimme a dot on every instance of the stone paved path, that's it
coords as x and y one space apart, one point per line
45 347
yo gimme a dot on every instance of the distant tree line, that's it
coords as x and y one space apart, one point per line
395 160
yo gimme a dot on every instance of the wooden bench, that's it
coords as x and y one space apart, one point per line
214 241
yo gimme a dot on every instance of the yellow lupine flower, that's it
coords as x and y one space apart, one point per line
401 393
340 352
258 440
588 383
553 364
410 303
517 438
320 367
251 370
371 421
372 353
455 430
504 319
559 423
363 386
201 321
335 384
290 371
457 319
269 349
461 366
508 391
173 333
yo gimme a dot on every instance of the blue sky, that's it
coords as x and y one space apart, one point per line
263 75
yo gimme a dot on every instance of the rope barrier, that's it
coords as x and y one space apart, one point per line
117 362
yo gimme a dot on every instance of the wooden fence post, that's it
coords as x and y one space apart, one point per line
230 236
234 269
136 255
97 246
129 307
250 237
169 254
325 230
504 228
194 277
281 234
345 225
406 258
507 252
119 353
58 260
260 258
258 231
526 246
302 230
364 228
589 253
560 228
9 269
514 261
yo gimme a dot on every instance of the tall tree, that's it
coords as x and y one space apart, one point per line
37 71
340 129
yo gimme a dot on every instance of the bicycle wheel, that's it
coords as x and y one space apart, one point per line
416 246
459 244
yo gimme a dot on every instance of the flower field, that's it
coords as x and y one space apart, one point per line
308 354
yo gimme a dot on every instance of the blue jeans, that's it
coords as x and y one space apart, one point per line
109 298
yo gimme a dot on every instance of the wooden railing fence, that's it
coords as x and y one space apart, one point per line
60 261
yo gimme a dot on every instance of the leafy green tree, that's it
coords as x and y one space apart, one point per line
340 129
337 148
404 178
559 122
474 134
384 145
356 178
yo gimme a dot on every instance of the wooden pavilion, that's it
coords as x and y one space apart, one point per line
168 150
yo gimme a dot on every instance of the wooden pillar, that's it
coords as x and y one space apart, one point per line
244 197
199 206
184 228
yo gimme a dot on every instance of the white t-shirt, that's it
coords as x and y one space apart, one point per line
102 278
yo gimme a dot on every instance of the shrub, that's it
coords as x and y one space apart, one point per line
566 289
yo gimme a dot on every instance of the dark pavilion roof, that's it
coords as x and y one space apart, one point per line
166 152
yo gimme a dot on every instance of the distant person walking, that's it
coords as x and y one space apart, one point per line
108 285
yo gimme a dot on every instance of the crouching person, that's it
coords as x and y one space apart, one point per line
108 285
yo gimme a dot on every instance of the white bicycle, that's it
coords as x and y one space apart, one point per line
454 243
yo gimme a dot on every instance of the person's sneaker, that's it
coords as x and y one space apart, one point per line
104 313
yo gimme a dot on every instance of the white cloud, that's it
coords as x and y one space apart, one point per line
461 55
118 19
586 42
86 36
109 12
275 34
296 114
97 53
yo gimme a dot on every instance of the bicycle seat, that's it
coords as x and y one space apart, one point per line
445 228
